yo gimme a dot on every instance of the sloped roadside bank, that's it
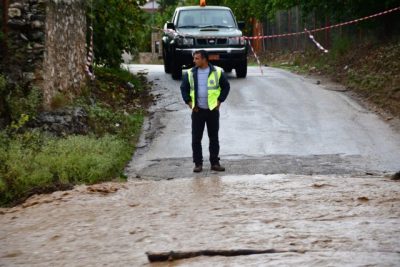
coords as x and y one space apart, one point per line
371 72
87 140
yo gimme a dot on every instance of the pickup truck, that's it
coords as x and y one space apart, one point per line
212 28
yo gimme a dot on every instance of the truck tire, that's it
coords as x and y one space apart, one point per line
228 70
167 62
176 69
241 69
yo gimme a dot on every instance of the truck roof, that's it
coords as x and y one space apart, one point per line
202 7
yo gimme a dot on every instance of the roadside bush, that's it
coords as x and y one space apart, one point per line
36 163
32 161
16 101
110 79
102 120
340 46
22 102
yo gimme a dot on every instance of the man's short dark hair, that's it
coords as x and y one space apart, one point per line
203 53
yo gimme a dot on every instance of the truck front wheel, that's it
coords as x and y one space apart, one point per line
176 69
241 69
167 62
228 69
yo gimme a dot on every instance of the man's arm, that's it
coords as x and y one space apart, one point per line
185 89
225 87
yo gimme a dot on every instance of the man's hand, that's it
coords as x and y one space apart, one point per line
195 109
218 104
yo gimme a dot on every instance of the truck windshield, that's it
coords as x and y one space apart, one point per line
214 18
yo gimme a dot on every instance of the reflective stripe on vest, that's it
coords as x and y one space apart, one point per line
214 90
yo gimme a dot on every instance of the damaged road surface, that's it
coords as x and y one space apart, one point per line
307 184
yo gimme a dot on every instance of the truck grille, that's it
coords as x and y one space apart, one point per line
212 41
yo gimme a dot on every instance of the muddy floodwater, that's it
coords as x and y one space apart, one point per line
335 221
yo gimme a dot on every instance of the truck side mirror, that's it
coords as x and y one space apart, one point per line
170 26
241 25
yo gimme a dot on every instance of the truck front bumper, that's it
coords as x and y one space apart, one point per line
226 57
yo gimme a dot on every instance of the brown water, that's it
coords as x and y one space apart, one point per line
340 221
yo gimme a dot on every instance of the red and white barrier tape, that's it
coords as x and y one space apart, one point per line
325 28
89 61
258 61
315 42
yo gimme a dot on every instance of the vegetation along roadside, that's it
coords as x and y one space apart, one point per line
87 140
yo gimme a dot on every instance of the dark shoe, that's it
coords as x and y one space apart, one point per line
198 168
218 168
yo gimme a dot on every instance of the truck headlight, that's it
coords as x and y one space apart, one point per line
187 41
237 41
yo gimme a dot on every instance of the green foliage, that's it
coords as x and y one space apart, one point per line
1 27
33 163
116 24
111 87
16 101
154 22
165 4
104 121
245 10
59 100
22 101
112 114
16 125
117 76
3 85
340 46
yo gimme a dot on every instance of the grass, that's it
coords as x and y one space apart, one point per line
59 163
32 161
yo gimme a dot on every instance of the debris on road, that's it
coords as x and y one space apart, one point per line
179 255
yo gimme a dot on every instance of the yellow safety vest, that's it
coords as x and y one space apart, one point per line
213 88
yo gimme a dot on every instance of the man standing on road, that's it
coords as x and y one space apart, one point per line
203 89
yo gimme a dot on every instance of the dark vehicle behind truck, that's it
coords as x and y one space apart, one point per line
211 28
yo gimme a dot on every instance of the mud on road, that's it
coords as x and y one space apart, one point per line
336 221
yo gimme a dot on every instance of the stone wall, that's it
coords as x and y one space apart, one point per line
46 46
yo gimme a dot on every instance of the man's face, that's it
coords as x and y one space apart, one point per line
199 61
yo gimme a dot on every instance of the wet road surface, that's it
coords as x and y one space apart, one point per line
313 164
276 123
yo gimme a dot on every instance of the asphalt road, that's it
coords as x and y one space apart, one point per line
278 122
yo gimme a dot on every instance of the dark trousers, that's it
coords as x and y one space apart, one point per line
199 119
